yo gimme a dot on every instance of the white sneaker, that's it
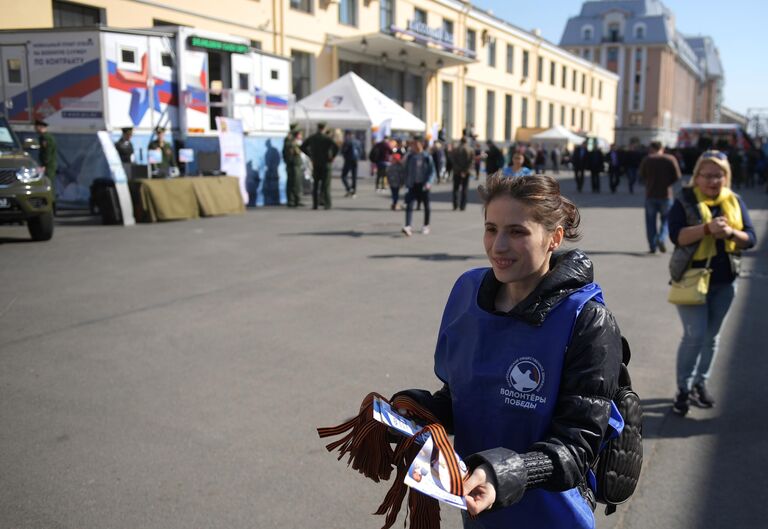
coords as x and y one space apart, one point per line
425 230
407 230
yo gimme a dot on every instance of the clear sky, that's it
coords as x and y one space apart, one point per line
738 27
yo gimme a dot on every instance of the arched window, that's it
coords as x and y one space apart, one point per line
640 31
586 33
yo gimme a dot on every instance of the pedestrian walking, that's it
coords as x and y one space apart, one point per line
710 226
294 166
540 160
351 151
396 174
580 161
658 172
321 149
419 177
554 157
48 152
463 158
528 424
632 163
379 156
614 168
596 166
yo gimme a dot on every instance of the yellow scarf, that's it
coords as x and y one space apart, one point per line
730 209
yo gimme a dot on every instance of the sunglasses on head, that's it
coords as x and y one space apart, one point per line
714 154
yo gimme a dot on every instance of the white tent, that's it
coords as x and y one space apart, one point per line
558 135
350 102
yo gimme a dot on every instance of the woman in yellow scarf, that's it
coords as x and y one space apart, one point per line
714 218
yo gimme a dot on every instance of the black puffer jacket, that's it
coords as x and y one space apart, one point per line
589 380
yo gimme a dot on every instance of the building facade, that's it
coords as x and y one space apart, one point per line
666 78
451 64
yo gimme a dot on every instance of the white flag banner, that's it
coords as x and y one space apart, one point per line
117 172
232 150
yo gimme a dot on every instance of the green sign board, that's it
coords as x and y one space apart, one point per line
218 45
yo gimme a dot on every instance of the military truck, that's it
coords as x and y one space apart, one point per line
26 194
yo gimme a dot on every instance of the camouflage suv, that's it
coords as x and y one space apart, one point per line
25 192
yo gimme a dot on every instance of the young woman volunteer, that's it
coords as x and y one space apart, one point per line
529 357
712 217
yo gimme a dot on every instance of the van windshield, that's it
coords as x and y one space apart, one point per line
8 139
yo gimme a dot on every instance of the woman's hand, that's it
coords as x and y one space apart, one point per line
480 493
719 228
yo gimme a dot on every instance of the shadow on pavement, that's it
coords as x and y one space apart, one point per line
355 234
14 240
428 257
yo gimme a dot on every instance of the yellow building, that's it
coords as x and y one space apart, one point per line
448 62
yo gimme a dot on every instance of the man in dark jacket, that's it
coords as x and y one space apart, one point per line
614 168
462 159
588 382
580 160
351 151
658 172
321 149
596 166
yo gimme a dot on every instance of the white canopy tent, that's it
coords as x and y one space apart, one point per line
351 103
558 135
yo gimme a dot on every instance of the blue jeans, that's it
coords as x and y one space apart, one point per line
701 334
655 207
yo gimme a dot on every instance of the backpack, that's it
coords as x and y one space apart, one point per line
620 460
375 154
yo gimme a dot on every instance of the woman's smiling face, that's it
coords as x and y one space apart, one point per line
516 244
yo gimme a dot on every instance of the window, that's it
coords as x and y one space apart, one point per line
524 112
447 109
274 75
510 58
538 114
573 117
386 14
492 53
525 64
302 5
243 81
586 33
508 117
591 116
166 59
552 72
301 70
551 115
490 114
599 89
562 115
128 55
573 81
128 58
582 120
583 83
13 67
540 69
448 28
613 32
469 111
564 80
348 12
419 15
639 32
587 54
472 40
69 14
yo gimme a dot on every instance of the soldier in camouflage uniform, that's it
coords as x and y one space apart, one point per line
294 166
47 152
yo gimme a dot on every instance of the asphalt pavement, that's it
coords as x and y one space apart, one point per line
172 375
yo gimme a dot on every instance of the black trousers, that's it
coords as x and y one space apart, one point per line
579 174
613 178
350 166
595 181
460 183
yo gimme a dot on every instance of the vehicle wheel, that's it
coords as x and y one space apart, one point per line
41 227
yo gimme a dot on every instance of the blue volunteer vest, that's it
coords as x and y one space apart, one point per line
504 376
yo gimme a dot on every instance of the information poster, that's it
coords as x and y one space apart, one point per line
232 150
